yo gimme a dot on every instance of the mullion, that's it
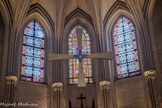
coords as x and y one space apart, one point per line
33 52
32 66
33 43
34 36
27 76
124 42
124 52
135 71
125 62
124 33
32 56
33 46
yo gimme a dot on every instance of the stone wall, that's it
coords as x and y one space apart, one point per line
130 93
73 92
157 25
28 92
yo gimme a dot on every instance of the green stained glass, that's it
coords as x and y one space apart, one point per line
73 50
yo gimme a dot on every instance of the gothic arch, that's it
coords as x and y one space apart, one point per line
108 31
7 10
49 44
79 17
141 28
37 8
78 13
108 42
116 6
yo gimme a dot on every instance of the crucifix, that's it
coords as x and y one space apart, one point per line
80 57
81 98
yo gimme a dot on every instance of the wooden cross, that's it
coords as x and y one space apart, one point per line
80 57
81 98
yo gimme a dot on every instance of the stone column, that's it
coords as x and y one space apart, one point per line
58 100
105 94
150 75
9 90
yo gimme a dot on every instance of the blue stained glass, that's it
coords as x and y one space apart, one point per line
37 62
29 61
131 57
28 50
39 52
32 68
122 58
28 71
28 40
29 32
121 48
36 73
39 34
126 54
39 43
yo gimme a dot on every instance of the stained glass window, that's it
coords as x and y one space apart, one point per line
32 68
125 46
74 63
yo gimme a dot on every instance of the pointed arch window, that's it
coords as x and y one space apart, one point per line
32 68
74 63
125 46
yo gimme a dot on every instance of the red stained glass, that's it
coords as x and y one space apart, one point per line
73 63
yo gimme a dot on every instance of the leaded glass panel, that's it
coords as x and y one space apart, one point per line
126 54
74 63
32 68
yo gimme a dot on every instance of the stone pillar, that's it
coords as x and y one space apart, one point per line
9 90
58 100
150 75
105 94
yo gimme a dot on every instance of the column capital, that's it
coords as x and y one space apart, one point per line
150 73
57 86
11 78
105 84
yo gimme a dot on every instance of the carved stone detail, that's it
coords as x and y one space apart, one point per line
57 86
150 73
10 79
105 84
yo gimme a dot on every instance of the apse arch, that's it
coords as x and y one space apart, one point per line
79 19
